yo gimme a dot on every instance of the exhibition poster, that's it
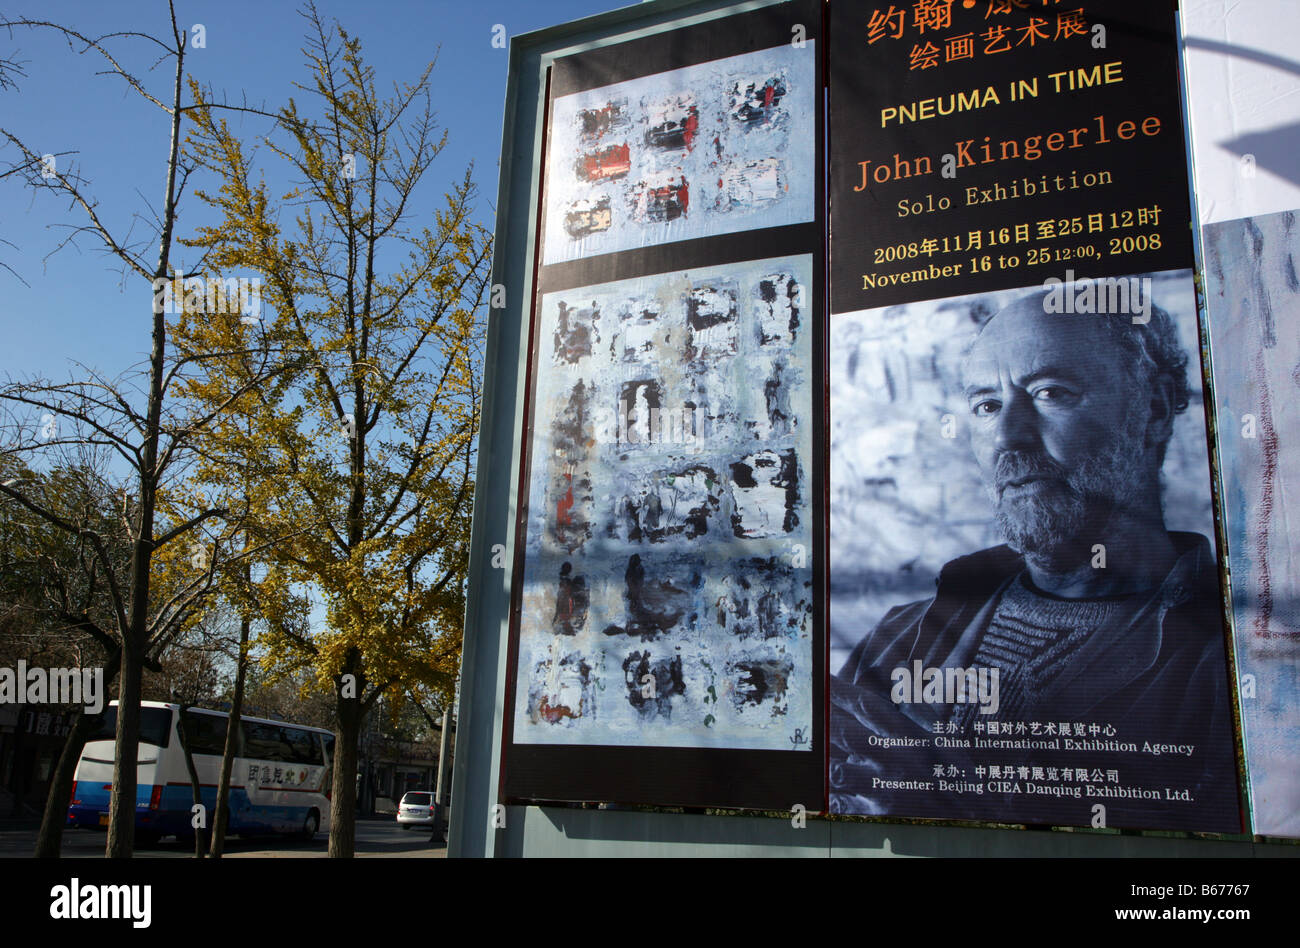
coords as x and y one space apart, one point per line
1026 617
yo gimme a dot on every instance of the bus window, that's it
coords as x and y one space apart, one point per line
303 748
206 733
265 742
155 726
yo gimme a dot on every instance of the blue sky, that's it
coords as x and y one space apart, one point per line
75 306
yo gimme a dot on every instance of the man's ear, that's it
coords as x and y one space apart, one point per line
1160 420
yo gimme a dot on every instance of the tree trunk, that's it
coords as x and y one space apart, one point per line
126 752
343 810
135 638
121 820
196 791
49 841
343 827
220 818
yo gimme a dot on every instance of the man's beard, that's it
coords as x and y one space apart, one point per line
1060 522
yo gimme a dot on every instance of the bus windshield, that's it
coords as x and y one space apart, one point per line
155 726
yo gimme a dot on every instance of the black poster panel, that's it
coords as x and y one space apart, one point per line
667 640
994 144
1025 604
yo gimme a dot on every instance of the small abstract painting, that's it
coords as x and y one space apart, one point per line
713 148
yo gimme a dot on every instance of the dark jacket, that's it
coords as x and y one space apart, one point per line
1155 675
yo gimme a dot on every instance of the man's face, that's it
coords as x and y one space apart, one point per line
1055 426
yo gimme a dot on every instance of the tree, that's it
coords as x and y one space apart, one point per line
288 697
266 599
132 418
371 446
52 608
58 610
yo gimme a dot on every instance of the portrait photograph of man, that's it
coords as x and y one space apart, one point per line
1026 612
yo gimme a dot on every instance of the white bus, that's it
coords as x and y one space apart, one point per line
280 782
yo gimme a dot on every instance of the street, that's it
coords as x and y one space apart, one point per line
377 837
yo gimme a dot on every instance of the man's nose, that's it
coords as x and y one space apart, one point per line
1017 427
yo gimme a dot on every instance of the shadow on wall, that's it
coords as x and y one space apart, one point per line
1274 150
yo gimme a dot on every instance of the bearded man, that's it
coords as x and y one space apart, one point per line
1093 637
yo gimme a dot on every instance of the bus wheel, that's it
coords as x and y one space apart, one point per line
311 825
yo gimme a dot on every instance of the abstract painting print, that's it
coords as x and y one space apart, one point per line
713 148
1253 296
667 590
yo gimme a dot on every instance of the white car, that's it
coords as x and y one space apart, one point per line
416 809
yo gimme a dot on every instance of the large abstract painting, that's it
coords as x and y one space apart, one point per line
667 592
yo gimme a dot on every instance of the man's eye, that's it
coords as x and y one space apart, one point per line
987 407
1051 393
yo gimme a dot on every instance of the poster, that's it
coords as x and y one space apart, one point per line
1025 607
1252 298
668 638
668 587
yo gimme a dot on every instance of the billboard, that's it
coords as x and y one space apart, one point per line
1025 604
666 645
934 537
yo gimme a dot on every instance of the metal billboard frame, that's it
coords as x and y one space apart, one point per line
480 826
